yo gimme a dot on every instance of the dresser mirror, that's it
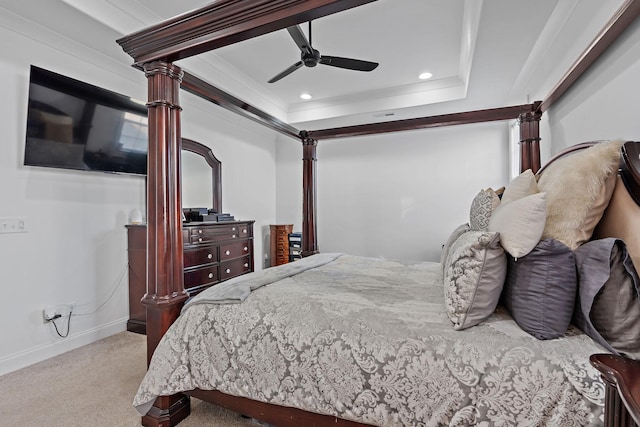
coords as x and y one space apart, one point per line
201 177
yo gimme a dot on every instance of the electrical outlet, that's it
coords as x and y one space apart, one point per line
56 311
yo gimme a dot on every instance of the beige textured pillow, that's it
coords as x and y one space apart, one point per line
521 186
578 189
520 223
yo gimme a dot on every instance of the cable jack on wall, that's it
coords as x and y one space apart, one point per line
51 314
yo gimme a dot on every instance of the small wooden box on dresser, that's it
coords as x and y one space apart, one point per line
213 253
280 243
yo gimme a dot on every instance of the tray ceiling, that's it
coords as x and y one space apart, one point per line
476 50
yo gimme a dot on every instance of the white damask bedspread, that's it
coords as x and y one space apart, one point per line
369 340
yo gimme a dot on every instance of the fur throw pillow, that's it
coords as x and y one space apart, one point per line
579 187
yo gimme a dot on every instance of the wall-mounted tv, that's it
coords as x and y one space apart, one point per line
76 125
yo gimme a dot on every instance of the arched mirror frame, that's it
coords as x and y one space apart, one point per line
216 169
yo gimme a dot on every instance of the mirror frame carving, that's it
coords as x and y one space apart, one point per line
216 169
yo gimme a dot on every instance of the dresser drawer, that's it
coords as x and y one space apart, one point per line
235 249
235 268
200 276
282 233
200 256
217 233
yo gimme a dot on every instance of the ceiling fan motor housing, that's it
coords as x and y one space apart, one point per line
310 59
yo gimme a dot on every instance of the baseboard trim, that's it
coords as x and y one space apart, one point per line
28 357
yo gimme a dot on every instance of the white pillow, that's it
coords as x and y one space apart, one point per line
520 223
521 186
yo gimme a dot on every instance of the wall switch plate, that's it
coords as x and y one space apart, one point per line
13 225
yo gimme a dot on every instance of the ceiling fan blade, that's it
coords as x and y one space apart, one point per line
301 40
348 63
286 72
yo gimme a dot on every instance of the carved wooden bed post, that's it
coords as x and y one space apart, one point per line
309 231
165 283
530 139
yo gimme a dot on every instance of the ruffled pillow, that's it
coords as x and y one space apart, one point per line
473 278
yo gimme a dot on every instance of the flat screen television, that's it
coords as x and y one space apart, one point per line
76 125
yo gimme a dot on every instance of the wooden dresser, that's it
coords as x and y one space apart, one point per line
213 253
280 243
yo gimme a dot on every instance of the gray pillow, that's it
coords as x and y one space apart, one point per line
608 308
540 289
473 278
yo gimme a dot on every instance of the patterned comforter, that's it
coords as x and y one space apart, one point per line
369 340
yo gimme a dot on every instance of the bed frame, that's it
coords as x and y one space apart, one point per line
224 22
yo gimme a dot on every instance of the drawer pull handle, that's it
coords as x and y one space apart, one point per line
199 239
246 265
209 256
233 229
233 236
245 249
210 275
227 252
199 231
228 270
244 230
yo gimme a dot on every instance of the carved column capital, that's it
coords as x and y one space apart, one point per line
306 139
162 88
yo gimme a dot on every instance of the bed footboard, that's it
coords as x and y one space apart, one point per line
622 381
276 415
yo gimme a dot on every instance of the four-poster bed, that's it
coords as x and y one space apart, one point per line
225 22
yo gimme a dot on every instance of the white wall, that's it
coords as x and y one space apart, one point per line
603 103
396 195
75 248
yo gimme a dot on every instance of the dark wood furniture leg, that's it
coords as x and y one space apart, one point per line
622 381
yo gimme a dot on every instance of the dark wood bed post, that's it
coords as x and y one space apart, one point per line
165 283
530 139
309 231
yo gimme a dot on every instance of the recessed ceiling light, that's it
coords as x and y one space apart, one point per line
305 96
425 76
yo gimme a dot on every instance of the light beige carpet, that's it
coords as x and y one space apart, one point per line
92 386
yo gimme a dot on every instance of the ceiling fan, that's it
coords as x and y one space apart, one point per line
310 57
